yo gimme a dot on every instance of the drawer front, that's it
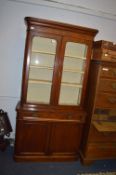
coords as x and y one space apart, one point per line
101 150
80 117
109 45
104 54
105 100
109 55
108 72
96 136
107 85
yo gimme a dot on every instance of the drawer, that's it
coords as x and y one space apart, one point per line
108 55
80 117
104 50
104 55
102 44
101 150
96 136
108 72
107 85
105 100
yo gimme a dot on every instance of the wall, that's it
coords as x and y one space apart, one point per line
12 40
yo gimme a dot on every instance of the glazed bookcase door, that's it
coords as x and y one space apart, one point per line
48 81
73 73
43 54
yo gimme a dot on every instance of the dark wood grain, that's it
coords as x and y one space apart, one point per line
101 96
51 132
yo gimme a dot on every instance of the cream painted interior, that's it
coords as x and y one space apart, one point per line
73 71
41 71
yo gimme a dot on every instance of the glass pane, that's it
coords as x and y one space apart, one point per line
73 72
41 70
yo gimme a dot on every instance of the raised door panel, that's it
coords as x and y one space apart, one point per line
32 138
65 139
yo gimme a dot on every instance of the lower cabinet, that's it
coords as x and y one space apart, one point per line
41 139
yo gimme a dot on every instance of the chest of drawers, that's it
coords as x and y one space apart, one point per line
100 129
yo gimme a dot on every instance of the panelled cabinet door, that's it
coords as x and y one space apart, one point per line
65 138
33 138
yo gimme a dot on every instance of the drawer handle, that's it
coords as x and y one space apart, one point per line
106 54
105 69
112 100
113 85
